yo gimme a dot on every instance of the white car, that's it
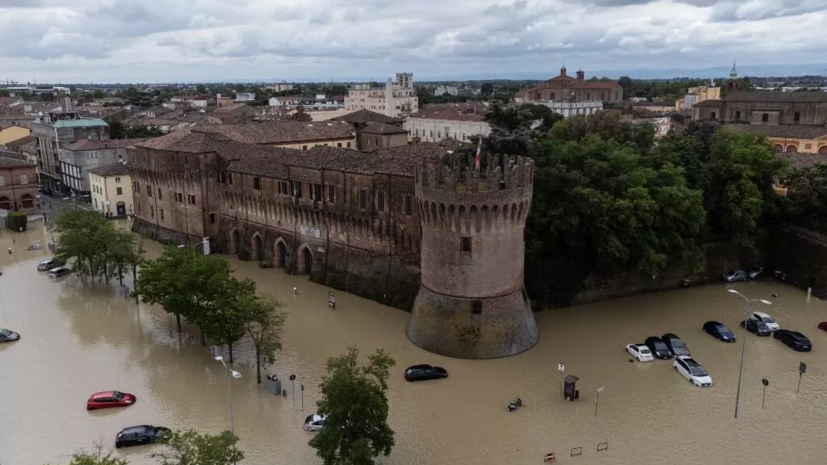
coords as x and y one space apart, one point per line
639 352
314 422
767 319
692 370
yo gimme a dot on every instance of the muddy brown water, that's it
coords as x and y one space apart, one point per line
80 339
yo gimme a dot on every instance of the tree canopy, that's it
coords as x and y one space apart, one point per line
192 448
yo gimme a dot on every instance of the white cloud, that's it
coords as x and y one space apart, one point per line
152 40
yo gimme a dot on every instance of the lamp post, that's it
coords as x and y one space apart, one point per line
597 401
235 375
744 342
193 246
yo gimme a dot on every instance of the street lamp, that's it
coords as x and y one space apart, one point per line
743 343
192 246
597 401
235 375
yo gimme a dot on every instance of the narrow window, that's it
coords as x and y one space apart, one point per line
162 213
149 190
192 199
304 147
737 116
316 192
465 245
348 145
408 205
297 189
764 117
221 177
160 197
338 144
796 117
179 197
380 201
117 179
212 218
363 199
152 211
257 184
714 115
476 307
230 178
119 190
331 193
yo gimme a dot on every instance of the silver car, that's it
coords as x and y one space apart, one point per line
59 271
314 422
47 264
734 276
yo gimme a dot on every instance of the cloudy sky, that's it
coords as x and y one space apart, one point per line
206 40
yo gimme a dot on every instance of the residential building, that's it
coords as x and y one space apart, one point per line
18 184
286 134
279 87
111 189
457 121
766 108
443 90
221 101
360 118
790 138
57 130
13 133
77 158
394 99
235 113
377 136
695 95
245 97
574 89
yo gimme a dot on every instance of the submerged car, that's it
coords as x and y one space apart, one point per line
639 352
755 272
692 370
109 399
823 326
314 422
59 271
766 319
756 327
719 331
733 276
7 335
658 348
424 372
139 435
675 344
48 264
793 340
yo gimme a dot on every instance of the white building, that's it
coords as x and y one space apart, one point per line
394 100
280 87
569 108
458 121
442 90
245 97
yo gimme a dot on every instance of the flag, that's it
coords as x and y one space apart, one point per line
478 155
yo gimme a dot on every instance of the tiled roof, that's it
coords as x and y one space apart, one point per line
382 128
280 132
785 131
421 150
367 116
777 97
185 141
79 123
84 144
452 112
708 103
114 169
231 107
802 160
16 144
7 162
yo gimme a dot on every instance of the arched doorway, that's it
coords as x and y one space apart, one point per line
792 149
305 261
235 241
5 203
258 248
778 148
120 207
281 254
27 201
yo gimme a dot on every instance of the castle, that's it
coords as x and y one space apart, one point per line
414 227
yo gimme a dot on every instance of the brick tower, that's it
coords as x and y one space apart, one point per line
472 301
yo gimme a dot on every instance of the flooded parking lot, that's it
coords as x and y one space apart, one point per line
80 339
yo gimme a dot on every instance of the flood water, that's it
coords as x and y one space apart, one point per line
77 340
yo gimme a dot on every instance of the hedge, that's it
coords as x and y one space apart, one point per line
17 221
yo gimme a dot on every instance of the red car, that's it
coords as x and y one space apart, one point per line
109 399
823 326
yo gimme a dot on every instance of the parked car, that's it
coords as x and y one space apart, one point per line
733 276
719 331
314 422
823 326
794 340
675 344
658 348
692 370
49 264
756 327
766 319
109 399
59 271
755 272
639 352
139 435
424 372
7 335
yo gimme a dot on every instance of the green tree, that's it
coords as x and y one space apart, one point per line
807 192
486 89
355 401
4 93
264 325
97 93
201 89
116 129
89 242
96 457
192 448
226 320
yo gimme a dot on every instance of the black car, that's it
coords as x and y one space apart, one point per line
424 372
139 435
659 349
7 335
793 339
719 331
675 344
756 327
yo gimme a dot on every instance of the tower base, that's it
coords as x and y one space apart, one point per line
472 328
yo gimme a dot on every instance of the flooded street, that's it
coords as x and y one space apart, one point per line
77 340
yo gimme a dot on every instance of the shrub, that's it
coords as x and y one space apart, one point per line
17 221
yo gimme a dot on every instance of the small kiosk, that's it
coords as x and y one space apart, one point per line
569 390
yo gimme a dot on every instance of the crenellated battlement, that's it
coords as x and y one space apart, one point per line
456 173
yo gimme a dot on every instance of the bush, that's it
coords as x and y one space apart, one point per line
17 221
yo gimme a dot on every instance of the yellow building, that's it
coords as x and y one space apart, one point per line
13 133
111 190
790 138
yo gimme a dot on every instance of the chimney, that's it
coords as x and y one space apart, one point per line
581 75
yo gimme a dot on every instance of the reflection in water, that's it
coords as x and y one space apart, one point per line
81 339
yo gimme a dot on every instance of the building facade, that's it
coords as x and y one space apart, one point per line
576 89
287 134
18 184
77 158
111 188
569 108
438 122
766 108
394 99
57 130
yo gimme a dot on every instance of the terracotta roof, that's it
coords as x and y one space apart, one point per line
6 161
231 107
367 116
84 144
786 131
452 111
803 160
382 128
708 103
185 141
280 132
421 150
777 97
114 169
16 144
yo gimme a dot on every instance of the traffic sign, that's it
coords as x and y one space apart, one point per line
561 368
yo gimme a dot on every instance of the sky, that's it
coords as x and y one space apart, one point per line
103 41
